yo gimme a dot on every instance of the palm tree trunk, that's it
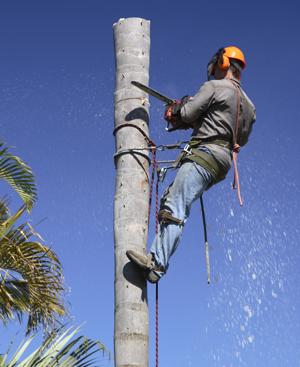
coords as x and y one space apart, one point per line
132 45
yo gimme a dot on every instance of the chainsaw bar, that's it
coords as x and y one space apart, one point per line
153 92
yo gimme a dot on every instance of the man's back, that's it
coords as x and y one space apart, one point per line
213 113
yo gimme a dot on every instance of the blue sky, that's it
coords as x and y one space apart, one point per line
56 110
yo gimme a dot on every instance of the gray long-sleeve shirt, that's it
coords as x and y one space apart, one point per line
213 111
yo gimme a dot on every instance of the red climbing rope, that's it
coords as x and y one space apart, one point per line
156 325
156 290
154 170
154 167
156 205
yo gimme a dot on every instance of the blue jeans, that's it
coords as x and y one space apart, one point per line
189 184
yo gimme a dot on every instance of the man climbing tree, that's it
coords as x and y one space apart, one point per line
221 115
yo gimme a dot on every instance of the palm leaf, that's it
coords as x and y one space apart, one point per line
61 350
18 175
18 353
10 221
4 211
31 279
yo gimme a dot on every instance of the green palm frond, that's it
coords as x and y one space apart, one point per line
31 279
4 211
63 350
19 176
7 223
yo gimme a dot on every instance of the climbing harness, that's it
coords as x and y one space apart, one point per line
193 152
189 151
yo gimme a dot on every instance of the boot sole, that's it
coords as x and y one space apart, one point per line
152 277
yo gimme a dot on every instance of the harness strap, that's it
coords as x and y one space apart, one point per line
236 146
194 141
206 160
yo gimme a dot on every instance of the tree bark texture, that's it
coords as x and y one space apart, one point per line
132 46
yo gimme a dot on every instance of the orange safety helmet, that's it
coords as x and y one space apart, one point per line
224 57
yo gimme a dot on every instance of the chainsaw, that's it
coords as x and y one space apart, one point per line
169 116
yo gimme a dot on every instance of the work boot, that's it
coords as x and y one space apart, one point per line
147 263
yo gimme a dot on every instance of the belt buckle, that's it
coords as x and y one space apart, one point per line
187 149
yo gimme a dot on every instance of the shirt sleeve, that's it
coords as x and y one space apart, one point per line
198 104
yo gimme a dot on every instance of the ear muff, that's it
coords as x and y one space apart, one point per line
218 59
223 60
225 57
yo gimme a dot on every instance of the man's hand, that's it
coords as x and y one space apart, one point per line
172 114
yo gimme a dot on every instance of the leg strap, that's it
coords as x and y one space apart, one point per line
165 217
